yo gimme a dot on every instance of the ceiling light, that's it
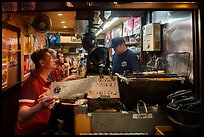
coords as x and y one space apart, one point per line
64 26
62 21
59 14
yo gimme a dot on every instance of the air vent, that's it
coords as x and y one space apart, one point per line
41 23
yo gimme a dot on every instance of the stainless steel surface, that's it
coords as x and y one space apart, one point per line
151 90
179 63
124 122
177 34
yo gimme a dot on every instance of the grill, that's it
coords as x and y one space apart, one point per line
153 89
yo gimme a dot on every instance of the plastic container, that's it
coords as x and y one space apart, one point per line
160 130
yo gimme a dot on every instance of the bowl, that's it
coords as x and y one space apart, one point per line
185 117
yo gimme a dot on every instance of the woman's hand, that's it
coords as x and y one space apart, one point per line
48 102
48 91
47 99
45 102
70 77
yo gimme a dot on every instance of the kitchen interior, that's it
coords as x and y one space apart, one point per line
164 98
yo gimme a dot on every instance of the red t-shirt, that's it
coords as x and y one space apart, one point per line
31 89
56 74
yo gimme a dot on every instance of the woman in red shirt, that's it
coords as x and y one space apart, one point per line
58 74
35 101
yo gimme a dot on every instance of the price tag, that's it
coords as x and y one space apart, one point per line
142 116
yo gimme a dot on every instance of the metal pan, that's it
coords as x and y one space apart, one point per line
151 90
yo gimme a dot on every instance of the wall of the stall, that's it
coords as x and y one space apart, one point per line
177 33
176 37
10 95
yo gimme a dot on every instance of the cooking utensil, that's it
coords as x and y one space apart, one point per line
98 55
184 116
151 90
41 23
179 93
88 40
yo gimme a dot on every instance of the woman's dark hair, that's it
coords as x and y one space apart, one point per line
38 55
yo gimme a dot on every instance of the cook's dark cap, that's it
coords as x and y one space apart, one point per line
117 41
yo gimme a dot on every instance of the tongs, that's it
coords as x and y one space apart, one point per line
122 78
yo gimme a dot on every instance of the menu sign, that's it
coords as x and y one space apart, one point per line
4 64
137 25
117 31
12 47
10 56
104 86
4 73
125 29
107 36
27 48
128 27
107 39
26 64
